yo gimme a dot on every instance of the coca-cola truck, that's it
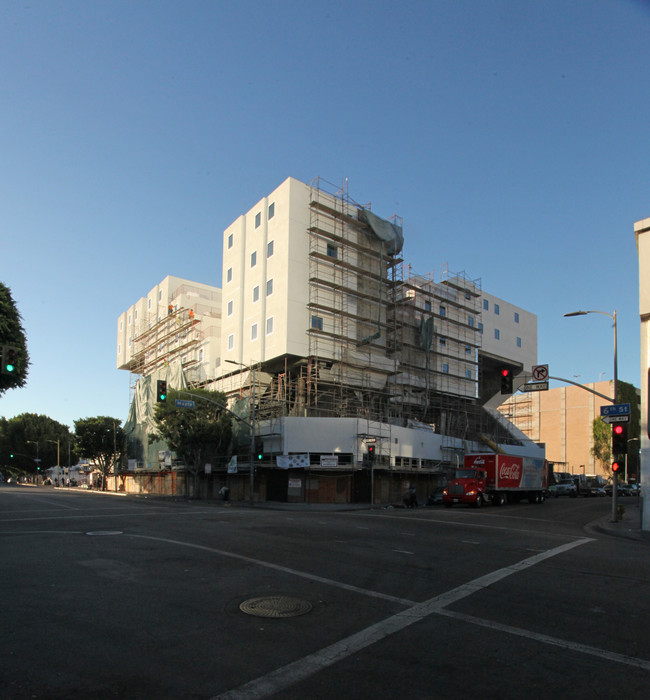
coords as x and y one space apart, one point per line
497 478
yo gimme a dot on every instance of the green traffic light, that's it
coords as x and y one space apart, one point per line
9 368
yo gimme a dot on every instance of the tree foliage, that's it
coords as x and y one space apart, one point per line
602 448
12 333
100 440
197 435
30 437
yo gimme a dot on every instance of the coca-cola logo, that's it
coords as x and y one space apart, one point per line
510 471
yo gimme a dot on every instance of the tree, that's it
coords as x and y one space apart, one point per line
100 440
197 435
32 439
602 449
12 333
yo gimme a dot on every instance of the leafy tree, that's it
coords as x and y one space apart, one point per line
197 435
12 333
100 440
602 449
31 437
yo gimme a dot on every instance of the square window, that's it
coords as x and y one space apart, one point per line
254 258
317 322
516 317
231 341
229 275
256 293
443 341
230 241
269 325
271 210
332 251
269 249
269 287
254 331
230 307
258 219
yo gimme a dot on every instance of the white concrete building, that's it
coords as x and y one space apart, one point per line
642 233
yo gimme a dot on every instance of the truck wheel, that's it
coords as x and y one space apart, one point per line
499 499
479 501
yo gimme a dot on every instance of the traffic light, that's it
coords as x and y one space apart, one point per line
259 451
506 380
619 445
161 391
371 453
9 359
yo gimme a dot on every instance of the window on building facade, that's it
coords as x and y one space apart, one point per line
445 368
231 341
254 258
269 249
254 331
256 293
201 355
129 321
317 322
269 287
480 328
427 306
258 219
518 342
486 304
443 311
229 275
271 210
230 307
332 251
230 241
468 374
468 350
497 310
160 295
497 334
269 325
516 317
470 321
443 341
149 303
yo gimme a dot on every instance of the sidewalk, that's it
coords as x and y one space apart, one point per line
629 526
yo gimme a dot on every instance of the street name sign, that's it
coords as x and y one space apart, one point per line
183 403
616 413
534 386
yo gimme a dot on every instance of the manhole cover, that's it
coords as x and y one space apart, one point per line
275 606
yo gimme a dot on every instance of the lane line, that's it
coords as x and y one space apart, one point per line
299 670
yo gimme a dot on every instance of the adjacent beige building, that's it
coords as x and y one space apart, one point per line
562 419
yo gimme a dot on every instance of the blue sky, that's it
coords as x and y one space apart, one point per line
511 136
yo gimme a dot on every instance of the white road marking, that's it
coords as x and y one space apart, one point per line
293 673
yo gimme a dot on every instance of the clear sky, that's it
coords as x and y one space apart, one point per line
512 136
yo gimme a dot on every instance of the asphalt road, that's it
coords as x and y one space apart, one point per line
116 597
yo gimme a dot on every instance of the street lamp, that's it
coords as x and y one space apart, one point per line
56 442
252 427
613 317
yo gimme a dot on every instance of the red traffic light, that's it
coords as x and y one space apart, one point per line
618 430
505 372
615 466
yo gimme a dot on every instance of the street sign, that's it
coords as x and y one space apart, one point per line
534 386
617 409
183 403
616 419
540 373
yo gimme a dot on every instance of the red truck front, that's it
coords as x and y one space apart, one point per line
468 486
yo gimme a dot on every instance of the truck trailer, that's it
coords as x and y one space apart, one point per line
497 479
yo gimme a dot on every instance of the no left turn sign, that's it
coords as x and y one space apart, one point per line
540 373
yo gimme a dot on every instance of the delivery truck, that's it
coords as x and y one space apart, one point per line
497 479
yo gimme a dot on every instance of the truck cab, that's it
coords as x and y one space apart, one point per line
468 486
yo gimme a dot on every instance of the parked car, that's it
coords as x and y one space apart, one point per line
566 487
